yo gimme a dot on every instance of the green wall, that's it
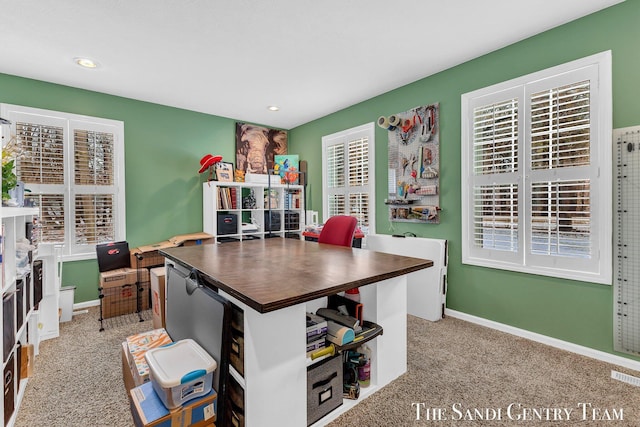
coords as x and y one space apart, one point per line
576 312
163 147
163 189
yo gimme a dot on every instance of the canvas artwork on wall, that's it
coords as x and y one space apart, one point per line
288 167
256 147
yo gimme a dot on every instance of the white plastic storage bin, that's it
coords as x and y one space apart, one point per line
180 372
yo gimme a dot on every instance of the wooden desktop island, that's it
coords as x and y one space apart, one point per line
276 282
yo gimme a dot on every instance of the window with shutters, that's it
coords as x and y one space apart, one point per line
536 172
348 185
73 169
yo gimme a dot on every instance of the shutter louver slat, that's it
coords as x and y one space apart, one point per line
335 166
358 162
359 207
52 225
495 138
93 157
561 218
94 219
337 205
560 127
42 148
495 220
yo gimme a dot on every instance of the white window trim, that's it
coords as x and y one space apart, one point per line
601 203
367 130
69 121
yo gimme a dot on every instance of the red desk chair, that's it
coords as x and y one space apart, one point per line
338 230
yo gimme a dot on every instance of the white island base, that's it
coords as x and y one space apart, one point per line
275 362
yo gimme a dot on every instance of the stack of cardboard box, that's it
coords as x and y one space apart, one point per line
147 407
119 290
125 279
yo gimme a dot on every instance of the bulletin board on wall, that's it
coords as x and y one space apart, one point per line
414 164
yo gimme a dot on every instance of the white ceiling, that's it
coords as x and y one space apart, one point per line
234 58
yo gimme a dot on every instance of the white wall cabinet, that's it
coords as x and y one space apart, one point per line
26 307
19 318
242 211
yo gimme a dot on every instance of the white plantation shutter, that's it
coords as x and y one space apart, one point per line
560 127
347 182
337 204
93 155
94 189
358 171
495 138
73 168
495 217
561 140
52 216
335 166
495 166
42 159
537 153
94 219
560 219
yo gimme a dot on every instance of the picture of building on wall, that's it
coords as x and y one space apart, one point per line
256 147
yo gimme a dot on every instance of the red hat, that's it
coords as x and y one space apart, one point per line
208 160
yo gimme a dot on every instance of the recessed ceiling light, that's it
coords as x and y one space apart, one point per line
85 62
273 108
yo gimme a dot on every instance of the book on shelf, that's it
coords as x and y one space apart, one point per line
227 198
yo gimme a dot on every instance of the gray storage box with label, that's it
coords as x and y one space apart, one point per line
324 388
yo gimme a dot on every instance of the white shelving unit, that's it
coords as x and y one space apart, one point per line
242 211
278 361
20 319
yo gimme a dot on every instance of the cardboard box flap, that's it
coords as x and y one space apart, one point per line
152 247
180 239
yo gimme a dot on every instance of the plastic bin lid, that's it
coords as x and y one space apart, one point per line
178 363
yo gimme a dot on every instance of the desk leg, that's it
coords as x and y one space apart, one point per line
385 303
275 375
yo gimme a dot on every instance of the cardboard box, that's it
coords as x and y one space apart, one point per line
120 293
119 277
127 375
137 345
26 364
158 296
148 255
148 411
192 239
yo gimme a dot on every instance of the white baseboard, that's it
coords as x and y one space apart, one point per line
86 304
554 342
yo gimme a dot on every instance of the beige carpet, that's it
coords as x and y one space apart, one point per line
457 369
77 377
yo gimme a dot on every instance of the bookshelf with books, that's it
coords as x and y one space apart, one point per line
247 210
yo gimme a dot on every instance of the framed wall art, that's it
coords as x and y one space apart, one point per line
224 171
256 147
